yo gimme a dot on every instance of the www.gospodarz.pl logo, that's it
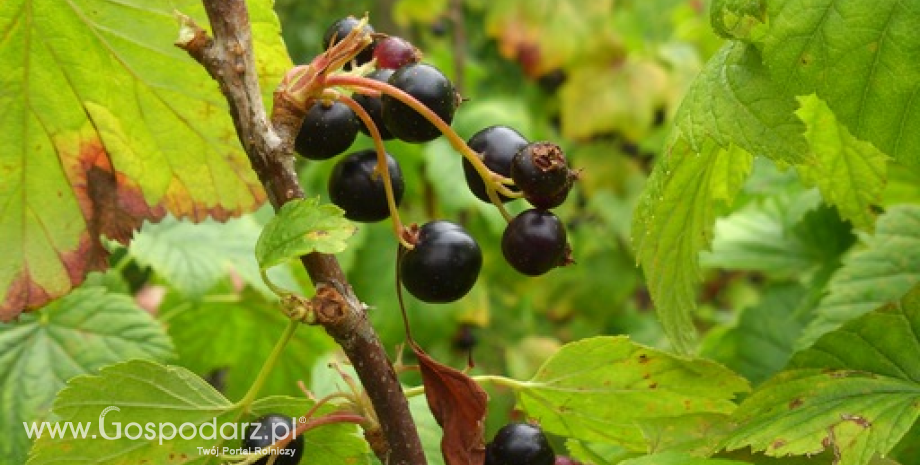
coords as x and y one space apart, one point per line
149 431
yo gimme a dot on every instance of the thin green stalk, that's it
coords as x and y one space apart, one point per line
269 364
481 379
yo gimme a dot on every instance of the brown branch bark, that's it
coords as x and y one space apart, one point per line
228 57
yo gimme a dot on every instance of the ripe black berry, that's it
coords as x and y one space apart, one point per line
394 52
340 29
444 264
490 455
522 444
265 431
430 87
328 129
373 106
534 242
541 172
496 146
356 188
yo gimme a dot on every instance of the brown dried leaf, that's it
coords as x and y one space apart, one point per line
459 406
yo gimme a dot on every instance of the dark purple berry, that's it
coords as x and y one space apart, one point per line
443 265
490 456
430 87
328 129
395 52
540 170
265 431
373 106
496 146
340 29
534 242
357 188
522 444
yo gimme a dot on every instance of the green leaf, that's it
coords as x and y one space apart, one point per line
597 453
789 234
406 12
151 399
903 185
144 393
601 389
881 273
623 99
858 57
850 173
696 434
110 124
738 19
760 344
301 227
674 221
855 392
678 458
236 337
735 101
76 335
193 258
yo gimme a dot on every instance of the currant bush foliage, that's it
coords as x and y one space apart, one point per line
792 160
747 99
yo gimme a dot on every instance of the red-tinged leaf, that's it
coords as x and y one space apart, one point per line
459 406
108 124
543 35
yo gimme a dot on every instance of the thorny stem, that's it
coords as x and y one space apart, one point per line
494 183
228 58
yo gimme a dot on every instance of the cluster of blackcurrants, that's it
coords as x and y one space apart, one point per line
444 261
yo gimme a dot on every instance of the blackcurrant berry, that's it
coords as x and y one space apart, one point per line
490 455
443 265
340 29
541 172
496 146
328 129
430 87
373 106
269 429
534 242
522 444
395 52
357 188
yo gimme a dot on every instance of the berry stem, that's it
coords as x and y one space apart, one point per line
269 364
457 142
382 167
481 379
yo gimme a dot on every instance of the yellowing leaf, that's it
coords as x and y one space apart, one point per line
107 123
619 98
546 34
849 172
